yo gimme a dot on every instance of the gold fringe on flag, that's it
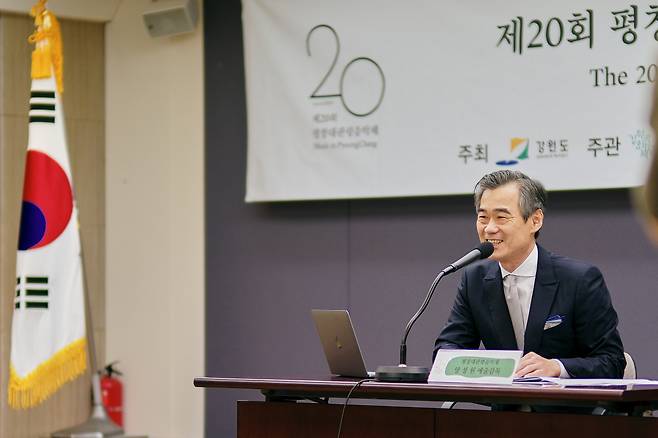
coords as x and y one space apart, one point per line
62 367
47 54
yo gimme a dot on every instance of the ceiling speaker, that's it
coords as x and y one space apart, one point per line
170 17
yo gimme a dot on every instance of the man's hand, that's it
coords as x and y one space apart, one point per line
533 365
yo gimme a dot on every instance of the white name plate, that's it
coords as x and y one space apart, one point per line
475 366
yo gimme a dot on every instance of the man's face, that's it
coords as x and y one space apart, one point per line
499 221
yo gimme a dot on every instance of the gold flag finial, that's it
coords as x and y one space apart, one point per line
47 54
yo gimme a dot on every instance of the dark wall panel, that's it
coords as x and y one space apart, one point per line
267 265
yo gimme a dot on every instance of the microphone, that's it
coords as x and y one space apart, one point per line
402 372
483 251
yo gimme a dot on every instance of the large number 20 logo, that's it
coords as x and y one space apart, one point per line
362 59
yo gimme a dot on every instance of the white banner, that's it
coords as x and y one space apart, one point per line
350 99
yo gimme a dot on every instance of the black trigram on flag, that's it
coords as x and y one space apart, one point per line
42 106
31 293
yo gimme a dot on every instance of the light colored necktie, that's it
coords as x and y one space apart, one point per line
514 307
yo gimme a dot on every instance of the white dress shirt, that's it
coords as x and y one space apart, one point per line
525 275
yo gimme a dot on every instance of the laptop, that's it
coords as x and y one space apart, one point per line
339 343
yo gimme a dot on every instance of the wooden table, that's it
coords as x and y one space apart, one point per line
284 414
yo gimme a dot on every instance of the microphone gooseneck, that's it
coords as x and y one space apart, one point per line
483 251
412 321
419 374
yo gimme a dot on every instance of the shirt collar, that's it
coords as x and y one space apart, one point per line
526 269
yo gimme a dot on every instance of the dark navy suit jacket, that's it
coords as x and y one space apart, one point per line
586 342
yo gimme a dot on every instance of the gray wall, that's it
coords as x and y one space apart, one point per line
267 265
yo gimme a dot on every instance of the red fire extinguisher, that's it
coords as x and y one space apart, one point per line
112 392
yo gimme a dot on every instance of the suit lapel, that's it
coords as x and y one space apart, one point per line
501 321
542 299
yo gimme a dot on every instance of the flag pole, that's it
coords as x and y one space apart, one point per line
50 63
98 424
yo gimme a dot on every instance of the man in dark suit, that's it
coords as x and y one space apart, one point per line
557 310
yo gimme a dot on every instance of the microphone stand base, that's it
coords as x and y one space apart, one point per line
399 373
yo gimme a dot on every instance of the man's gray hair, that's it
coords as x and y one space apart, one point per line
532 194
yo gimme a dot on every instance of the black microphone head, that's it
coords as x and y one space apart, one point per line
486 248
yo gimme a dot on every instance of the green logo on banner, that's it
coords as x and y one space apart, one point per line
474 367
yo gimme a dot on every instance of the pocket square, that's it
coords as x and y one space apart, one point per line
553 321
